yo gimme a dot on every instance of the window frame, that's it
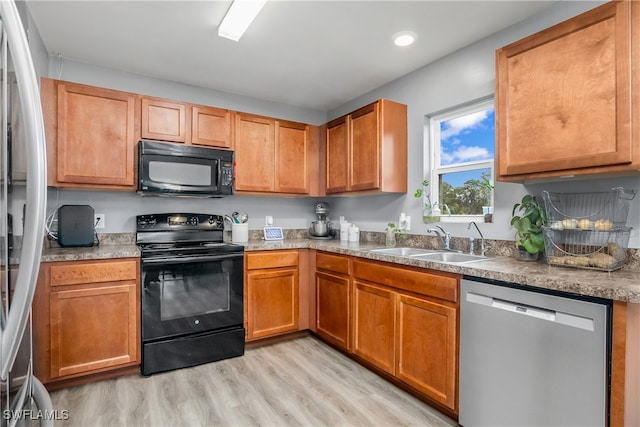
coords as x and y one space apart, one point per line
434 170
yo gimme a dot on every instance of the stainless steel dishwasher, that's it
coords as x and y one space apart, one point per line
532 359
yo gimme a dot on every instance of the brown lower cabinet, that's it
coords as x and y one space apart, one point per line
401 320
333 298
271 293
86 319
405 322
426 347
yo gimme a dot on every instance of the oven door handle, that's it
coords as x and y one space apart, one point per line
190 259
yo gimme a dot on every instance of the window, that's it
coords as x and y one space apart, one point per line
462 151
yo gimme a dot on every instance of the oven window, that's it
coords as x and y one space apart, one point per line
180 173
187 290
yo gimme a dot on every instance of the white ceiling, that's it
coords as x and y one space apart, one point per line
311 54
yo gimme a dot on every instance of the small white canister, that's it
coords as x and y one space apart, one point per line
354 234
240 232
344 231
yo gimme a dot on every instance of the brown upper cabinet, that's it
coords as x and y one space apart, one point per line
91 134
272 156
366 150
565 97
173 121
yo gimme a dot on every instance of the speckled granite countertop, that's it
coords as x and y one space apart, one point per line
115 245
94 252
622 285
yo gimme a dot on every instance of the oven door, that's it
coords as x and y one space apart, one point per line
191 294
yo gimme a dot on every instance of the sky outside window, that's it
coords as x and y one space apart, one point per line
467 139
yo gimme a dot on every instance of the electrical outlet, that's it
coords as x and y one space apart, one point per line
99 220
404 223
268 220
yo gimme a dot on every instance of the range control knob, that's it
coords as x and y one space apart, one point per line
145 220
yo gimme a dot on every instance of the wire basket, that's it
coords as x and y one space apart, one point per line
603 211
590 249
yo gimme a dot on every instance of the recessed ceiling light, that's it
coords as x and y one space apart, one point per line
239 17
404 38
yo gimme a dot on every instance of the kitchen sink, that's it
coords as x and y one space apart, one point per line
404 251
451 257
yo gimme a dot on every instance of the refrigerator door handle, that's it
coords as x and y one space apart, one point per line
36 187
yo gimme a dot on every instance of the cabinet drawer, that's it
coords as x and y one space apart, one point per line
335 263
93 272
438 285
271 259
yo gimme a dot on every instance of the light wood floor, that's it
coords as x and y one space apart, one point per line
302 382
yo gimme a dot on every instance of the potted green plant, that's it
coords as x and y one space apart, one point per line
527 217
428 214
486 187
390 235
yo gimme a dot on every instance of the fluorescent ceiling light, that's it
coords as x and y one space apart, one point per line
404 38
239 17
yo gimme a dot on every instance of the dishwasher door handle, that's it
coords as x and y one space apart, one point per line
567 319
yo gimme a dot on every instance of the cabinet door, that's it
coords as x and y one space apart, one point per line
333 308
365 149
337 156
93 329
272 302
255 153
374 325
427 356
211 127
292 158
563 96
164 120
95 135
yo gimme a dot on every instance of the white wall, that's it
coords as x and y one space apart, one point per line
458 78
461 77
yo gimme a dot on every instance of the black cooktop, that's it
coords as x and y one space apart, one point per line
180 234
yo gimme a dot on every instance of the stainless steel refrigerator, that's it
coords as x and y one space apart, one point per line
23 398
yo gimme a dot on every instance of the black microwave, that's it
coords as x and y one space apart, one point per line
166 169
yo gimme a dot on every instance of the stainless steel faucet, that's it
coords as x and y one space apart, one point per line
444 236
472 240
